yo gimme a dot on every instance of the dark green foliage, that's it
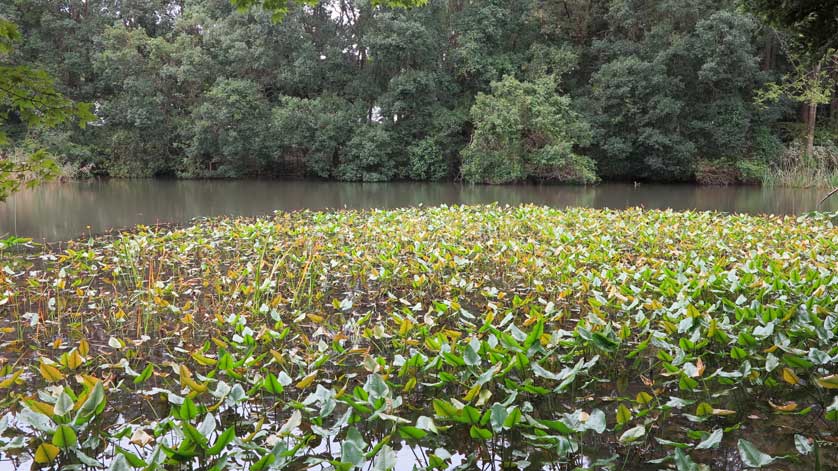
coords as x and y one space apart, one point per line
427 161
360 90
29 103
230 132
523 130
636 114
370 156
812 23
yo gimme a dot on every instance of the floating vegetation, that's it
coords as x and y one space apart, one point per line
443 338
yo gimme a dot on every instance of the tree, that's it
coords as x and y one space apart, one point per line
638 130
280 8
526 129
230 134
811 39
810 24
810 84
28 96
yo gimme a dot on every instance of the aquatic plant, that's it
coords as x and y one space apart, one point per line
450 338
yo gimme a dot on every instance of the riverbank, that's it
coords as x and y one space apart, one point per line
466 334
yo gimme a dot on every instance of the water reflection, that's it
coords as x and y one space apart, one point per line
63 211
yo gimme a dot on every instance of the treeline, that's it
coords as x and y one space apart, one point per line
487 91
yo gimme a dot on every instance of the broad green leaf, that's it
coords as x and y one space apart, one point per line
64 437
711 441
94 403
146 373
478 433
623 414
223 440
409 432
751 456
633 434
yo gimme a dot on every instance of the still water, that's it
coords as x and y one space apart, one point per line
61 211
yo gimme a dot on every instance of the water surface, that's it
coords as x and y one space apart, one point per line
61 211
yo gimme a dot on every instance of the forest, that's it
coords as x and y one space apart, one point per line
494 91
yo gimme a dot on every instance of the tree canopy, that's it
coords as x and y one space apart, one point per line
371 91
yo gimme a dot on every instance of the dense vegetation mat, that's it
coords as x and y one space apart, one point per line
474 336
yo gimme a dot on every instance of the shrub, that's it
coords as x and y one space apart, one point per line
526 130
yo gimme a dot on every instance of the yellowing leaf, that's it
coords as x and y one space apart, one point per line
699 367
829 382
643 397
186 380
8 382
790 377
84 347
472 393
787 407
305 382
202 360
50 373
277 356
46 453
42 407
72 360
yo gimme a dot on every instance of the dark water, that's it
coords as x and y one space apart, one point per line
61 211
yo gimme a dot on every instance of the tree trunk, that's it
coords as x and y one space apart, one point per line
812 118
810 131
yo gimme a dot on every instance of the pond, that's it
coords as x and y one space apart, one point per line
61 211
456 338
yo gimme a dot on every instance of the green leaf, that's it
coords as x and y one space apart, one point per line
444 409
94 403
134 460
410 432
498 416
188 410
738 353
558 426
63 405
604 343
712 441
633 434
376 387
478 433
193 434
704 410
623 414
223 440
64 437
751 456
352 448
512 418
272 384
683 462
146 373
